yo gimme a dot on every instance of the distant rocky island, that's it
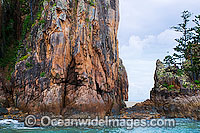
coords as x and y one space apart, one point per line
176 91
174 95
61 58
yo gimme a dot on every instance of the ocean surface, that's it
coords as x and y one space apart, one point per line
182 126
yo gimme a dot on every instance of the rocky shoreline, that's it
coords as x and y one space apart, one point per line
179 101
12 113
143 110
69 66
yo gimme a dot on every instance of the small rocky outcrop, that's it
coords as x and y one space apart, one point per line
72 64
143 110
174 94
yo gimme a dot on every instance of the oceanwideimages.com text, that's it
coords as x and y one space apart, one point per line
46 121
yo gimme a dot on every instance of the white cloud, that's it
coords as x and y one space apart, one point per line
156 44
140 78
143 17
139 66
143 38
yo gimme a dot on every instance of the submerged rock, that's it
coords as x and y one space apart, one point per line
74 64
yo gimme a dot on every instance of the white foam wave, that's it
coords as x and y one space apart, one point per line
9 121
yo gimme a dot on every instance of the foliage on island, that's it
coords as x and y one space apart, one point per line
187 55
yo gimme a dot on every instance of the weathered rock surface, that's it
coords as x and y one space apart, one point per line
5 97
3 100
143 110
122 81
174 94
74 64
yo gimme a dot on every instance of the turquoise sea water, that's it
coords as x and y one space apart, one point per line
182 126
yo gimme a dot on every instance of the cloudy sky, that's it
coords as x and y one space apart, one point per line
145 36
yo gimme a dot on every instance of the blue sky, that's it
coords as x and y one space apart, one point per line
144 36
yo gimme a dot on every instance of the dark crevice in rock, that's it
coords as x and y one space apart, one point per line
64 100
99 91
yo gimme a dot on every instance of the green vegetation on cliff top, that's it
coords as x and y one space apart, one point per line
187 55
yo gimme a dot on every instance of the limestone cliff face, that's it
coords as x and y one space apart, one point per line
174 94
73 65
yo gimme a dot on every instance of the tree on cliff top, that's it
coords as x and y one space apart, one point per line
184 40
188 46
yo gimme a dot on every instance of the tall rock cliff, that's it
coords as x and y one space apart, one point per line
71 62
174 94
